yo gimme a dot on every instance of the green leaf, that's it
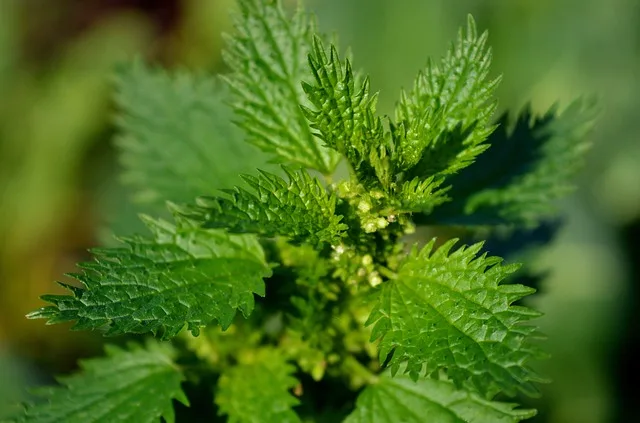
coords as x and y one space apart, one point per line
257 390
176 139
343 112
136 385
450 312
401 399
299 208
180 276
442 122
421 195
268 59
526 169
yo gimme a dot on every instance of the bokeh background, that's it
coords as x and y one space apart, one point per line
60 193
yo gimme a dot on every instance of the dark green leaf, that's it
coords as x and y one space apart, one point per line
526 169
180 276
450 312
299 208
401 399
136 385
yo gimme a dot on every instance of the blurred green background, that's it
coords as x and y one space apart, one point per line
60 194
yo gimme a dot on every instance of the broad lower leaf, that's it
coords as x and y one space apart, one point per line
343 113
300 209
443 121
400 399
180 276
257 390
526 169
176 139
136 385
449 311
268 59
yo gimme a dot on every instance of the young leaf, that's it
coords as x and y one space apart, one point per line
300 209
136 385
449 311
401 399
421 195
443 121
177 140
343 113
257 391
524 171
268 59
180 276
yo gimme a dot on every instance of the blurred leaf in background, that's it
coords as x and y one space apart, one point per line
54 108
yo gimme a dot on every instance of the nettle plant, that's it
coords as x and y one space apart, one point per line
342 318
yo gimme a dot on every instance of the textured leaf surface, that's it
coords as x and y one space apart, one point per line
400 399
127 386
421 195
268 59
524 171
257 391
449 312
299 208
442 122
343 112
180 276
177 140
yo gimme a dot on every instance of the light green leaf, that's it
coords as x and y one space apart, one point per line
257 390
268 59
300 209
177 139
180 276
449 311
136 385
400 399
443 121
421 195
